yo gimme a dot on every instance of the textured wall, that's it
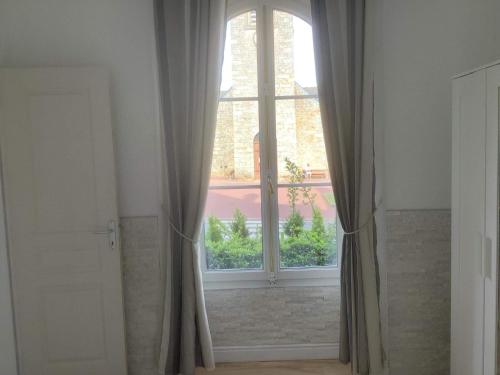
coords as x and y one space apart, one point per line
141 284
418 287
418 282
274 316
295 315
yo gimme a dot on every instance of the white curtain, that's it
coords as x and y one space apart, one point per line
190 44
345 88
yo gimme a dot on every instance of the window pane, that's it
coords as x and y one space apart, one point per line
233 229
239 71
300 141
307 215
294 68
233 221
236 154
307 226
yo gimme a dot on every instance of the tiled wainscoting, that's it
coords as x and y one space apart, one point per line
304 318
141 278
417 255
284 320
418 288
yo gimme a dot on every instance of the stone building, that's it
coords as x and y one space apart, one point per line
298 124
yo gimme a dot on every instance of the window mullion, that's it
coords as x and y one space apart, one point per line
271 142
263 139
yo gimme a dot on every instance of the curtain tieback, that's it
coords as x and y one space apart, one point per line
365 224
176 230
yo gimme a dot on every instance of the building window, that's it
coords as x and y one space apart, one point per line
270 214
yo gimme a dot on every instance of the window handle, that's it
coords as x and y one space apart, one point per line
272 279
270 186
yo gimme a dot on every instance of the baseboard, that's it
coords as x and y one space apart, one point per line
275 352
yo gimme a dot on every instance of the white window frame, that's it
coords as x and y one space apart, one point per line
271 274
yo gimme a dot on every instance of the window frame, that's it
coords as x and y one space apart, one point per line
271 273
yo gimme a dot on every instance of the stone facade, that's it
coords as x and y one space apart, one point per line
298 123
310 144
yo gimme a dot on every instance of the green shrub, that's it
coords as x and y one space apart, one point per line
294 224
216 230
234 248
239 225
307 250
318 224
236 252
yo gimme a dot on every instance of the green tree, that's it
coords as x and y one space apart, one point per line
239 224
295 176
318 223
294 224
216 230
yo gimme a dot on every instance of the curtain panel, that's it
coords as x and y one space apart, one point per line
190 44
344 76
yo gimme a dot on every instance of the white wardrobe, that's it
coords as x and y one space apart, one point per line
475 202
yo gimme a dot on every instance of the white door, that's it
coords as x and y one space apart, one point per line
468 221
58 169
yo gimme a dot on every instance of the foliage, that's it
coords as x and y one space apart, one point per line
239 224
232 246
309 249
318 224
216 230
235 252
295 176
294 224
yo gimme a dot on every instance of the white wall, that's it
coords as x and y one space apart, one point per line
7 343
423 44
117 34
8 364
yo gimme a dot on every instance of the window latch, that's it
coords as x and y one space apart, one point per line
270 187
272 279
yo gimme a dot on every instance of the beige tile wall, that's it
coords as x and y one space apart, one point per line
418 285
418 265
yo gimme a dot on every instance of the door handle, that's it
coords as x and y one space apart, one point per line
487 255
110 231
479 250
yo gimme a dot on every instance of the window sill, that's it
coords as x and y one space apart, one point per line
220 280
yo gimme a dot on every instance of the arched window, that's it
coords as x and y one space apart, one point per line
270 209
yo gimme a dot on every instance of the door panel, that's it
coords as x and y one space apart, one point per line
468 203
62 308
63 201
60 191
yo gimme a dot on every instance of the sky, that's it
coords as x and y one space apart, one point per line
305 73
